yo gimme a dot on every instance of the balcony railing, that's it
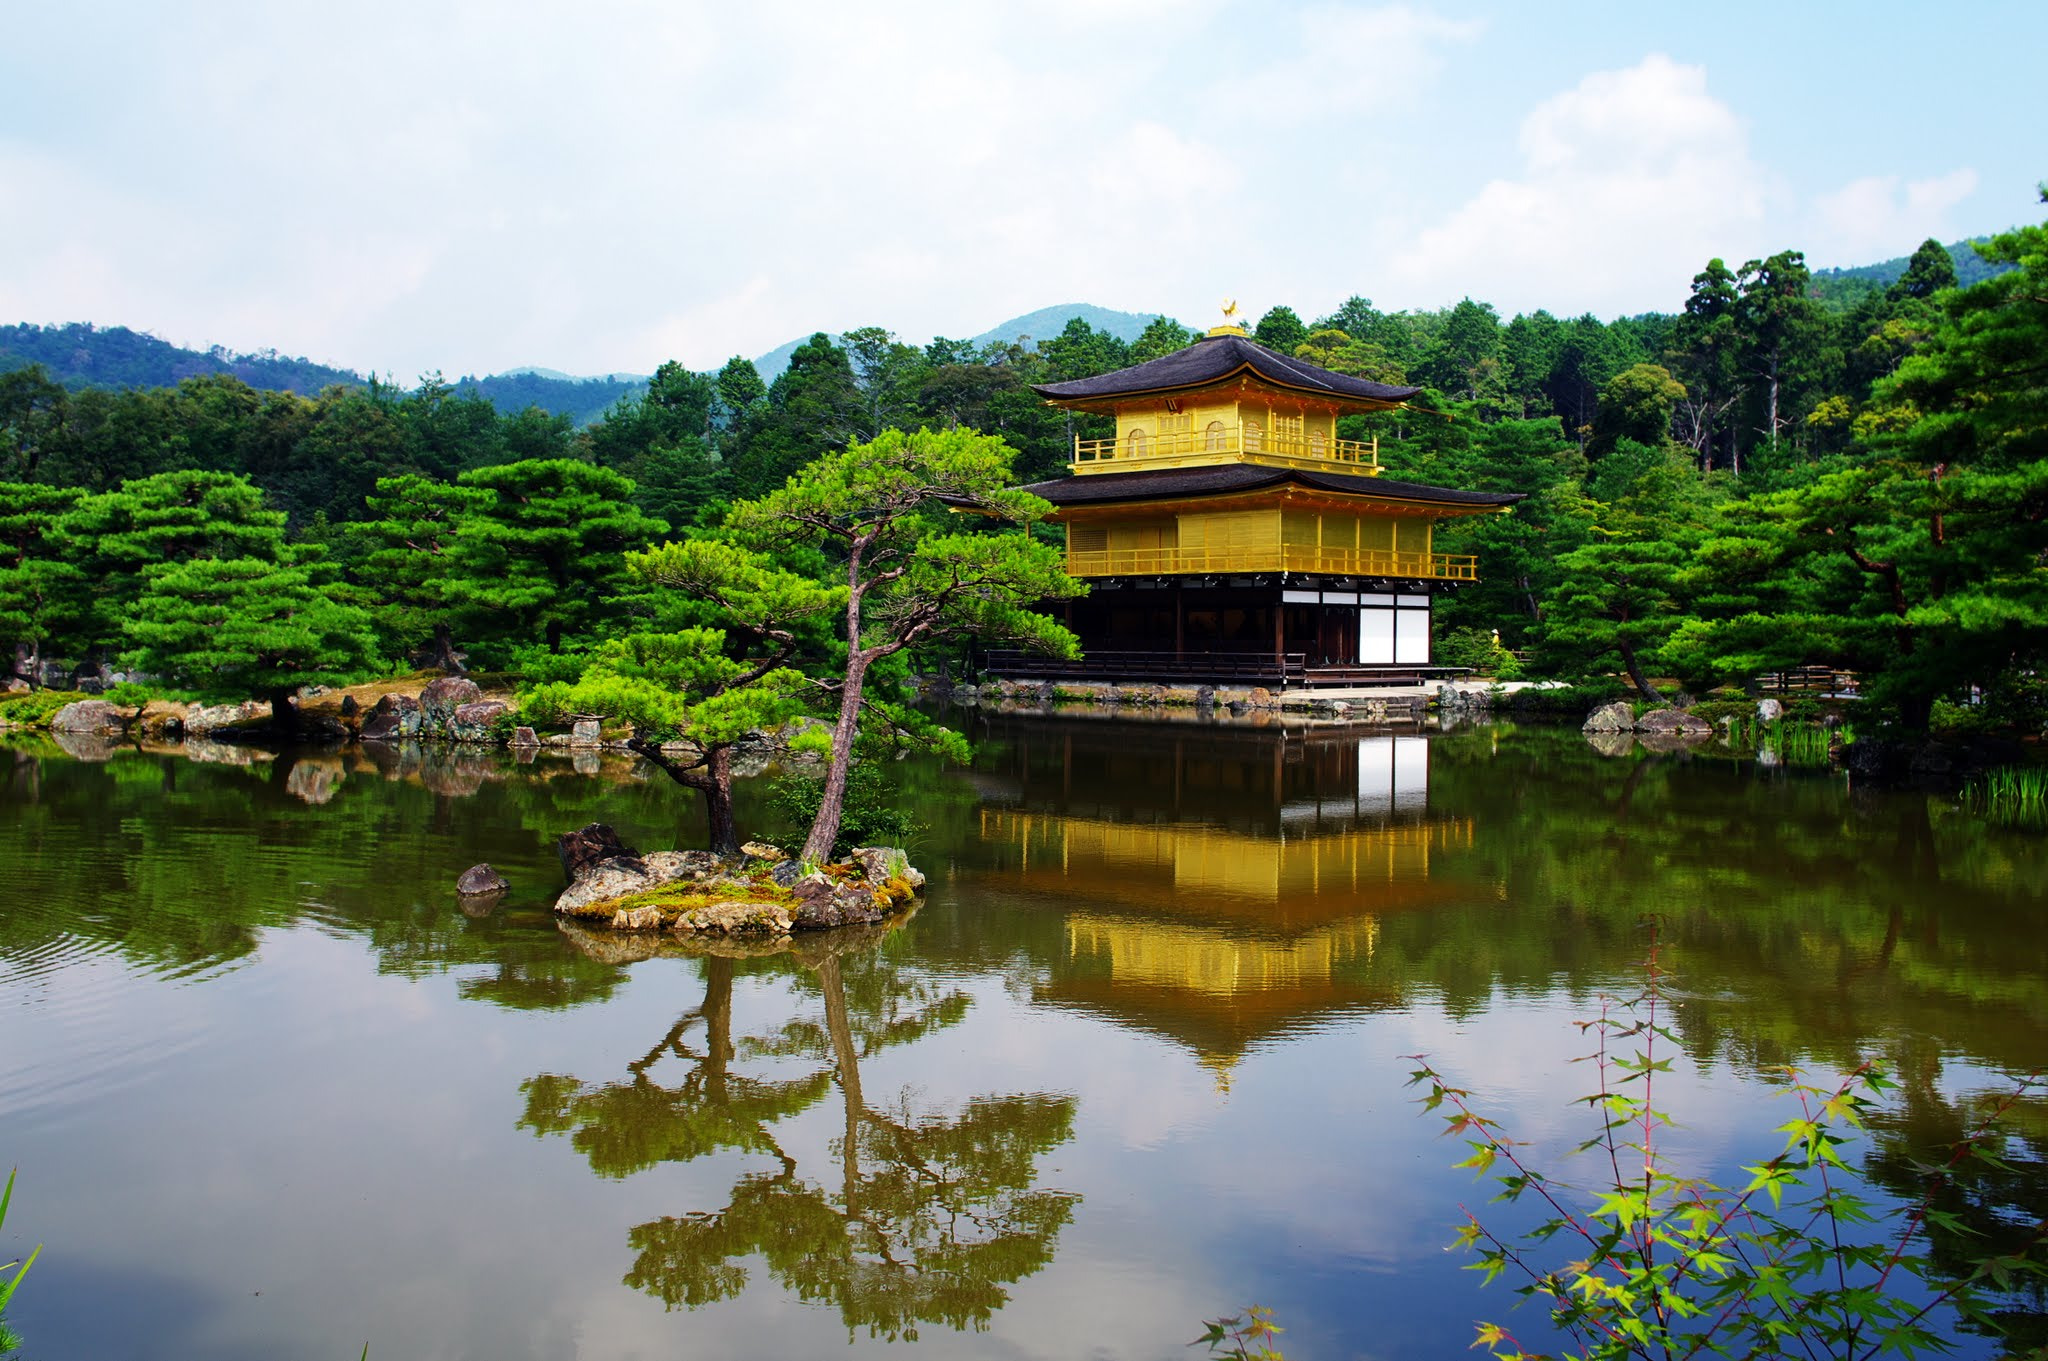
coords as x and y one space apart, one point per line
1348 562
1229 443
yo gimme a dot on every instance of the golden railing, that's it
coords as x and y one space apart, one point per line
1193 447
1359 562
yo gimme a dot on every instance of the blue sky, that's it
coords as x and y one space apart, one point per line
470 187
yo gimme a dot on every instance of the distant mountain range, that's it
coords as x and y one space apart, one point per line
82 355
1846 286
1043 324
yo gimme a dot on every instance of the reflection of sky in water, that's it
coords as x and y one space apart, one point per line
353 1172
321 1146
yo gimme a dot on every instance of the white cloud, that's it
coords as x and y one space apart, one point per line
1630 182
1351 60
1880 216
473 187
603 190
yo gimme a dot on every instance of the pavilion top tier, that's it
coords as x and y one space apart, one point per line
1225 399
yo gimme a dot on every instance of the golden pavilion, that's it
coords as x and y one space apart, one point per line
1228 533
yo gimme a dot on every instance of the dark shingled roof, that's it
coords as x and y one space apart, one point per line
1096 488
1214 358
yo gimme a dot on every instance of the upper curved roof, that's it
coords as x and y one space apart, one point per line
1214 358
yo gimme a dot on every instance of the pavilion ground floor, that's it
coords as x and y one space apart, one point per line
1276 630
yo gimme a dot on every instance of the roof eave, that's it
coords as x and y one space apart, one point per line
1049 391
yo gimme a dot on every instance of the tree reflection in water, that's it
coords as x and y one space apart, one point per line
1984 1208
931 1213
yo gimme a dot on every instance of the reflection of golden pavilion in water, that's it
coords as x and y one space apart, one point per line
1221 886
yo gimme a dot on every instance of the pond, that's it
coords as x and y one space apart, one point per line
1136 1060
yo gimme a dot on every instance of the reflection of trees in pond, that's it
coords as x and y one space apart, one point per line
1987 1208
180 865
512 957
1805 920
931 1214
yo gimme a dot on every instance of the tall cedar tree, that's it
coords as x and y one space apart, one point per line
32 410
1621 593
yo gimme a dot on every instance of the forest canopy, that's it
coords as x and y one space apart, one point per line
1774 473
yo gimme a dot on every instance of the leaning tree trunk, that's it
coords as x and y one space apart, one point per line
442 653
712 777
718 1046
284 715
832 798
1635 671
722 829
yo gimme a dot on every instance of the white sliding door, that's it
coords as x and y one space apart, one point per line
1393 630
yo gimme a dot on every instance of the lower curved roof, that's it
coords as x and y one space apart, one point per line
1166 483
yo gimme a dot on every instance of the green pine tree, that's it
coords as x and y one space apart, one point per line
233 628
541 557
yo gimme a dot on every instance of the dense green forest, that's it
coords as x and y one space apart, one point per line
1757 479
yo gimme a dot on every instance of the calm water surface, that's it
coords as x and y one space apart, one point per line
1135 1062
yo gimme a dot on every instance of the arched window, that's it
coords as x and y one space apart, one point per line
1135 443
1215 437
1318 446
1254 437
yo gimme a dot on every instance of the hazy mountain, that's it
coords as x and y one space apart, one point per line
1848 285
82 355
1048 322
582 400
1043 324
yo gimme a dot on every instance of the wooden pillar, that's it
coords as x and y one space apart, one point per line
1279 629
1180 620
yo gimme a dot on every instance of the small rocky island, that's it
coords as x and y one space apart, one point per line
760 892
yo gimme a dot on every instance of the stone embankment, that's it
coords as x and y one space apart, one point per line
1900 761
759 892
1463 700
170 721
452 709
